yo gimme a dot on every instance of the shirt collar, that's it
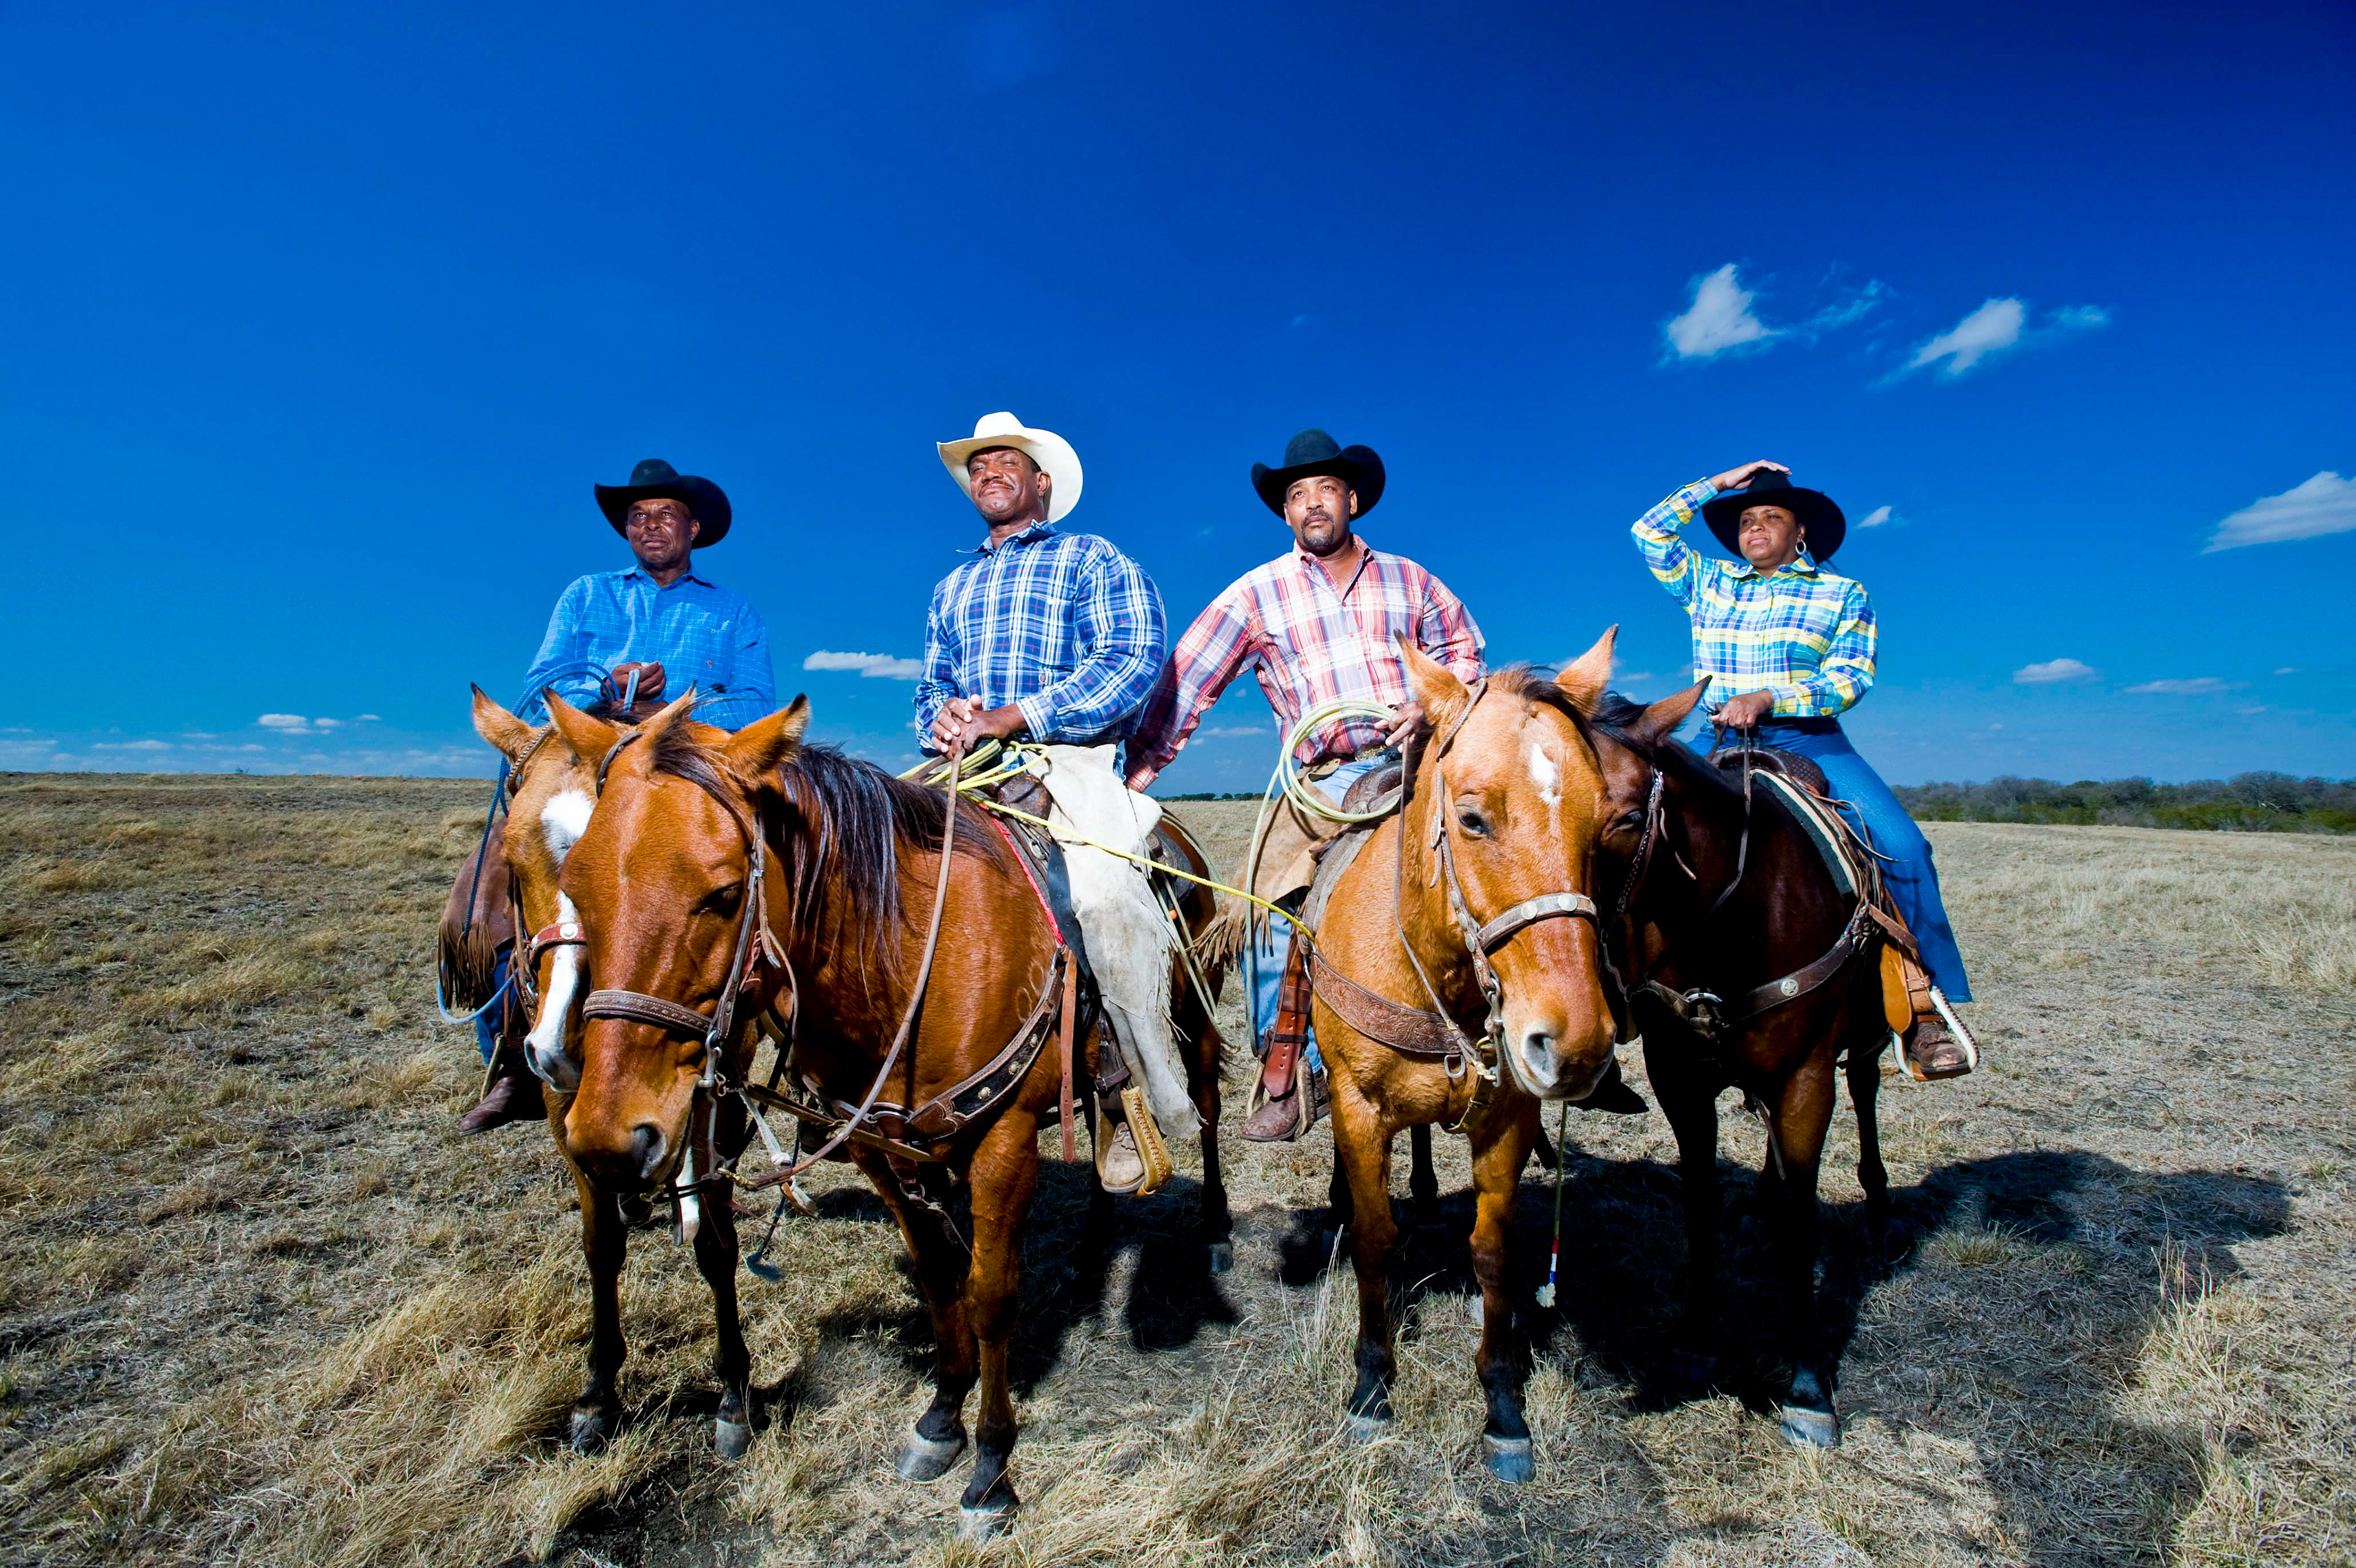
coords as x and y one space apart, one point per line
1031 535
690 575
1799 565
1310 563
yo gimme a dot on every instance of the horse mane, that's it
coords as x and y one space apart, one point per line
853 820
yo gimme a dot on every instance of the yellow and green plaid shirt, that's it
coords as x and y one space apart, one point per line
1805 634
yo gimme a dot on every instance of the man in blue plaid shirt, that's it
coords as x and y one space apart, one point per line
1056 639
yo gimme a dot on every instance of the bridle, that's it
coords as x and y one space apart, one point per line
1481 938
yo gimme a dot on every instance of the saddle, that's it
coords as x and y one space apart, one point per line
1855 866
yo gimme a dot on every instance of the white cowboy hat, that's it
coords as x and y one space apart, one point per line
1051 451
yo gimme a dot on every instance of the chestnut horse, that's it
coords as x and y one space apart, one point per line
1456 973
715 873
1747 966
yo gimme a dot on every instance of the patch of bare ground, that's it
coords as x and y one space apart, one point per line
257 1305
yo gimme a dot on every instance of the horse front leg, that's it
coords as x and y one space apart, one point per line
940 1260
603 1237
1214 1225
1362 1148
1872 1176
1503 1363
1803 1114
1004 1176
1692 1110
715 1258
1422 1179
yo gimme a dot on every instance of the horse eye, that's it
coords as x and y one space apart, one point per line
1472 822
725 898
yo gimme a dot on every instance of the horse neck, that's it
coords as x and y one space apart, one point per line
1782 885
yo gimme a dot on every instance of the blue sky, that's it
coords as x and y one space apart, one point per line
318 325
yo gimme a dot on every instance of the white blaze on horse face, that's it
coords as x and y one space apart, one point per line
1544 774
563 820
544 1047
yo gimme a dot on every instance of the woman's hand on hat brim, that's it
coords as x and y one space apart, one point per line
1736 478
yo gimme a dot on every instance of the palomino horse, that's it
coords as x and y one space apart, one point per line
1747 966
714 874
1456 976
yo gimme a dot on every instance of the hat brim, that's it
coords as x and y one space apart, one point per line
1357 466
702 496
1051 451
1817 513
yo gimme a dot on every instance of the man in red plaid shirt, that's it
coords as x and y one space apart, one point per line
1316 623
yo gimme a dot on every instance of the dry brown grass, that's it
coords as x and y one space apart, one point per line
257 1306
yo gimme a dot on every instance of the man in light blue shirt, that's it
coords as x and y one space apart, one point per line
659 612
622 636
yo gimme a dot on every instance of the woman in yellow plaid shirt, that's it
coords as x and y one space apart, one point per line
1788 645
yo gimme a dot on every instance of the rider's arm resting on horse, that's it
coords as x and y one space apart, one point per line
1117 613
1846 671
938 683
1224 638
564 650
1444 629
1659 534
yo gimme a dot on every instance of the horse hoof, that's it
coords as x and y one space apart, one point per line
1510 1459
924 1459
1809 1428
590 1429
1221 1257
1366 1428
980 1524
731 1437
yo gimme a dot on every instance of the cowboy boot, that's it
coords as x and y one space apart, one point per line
1936 1049
511 1092
1278 1117
1120 1167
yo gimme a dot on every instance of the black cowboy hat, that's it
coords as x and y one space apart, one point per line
1314 451
655 478
1818 515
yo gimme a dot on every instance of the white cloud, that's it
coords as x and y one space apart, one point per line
1875 517
2288 669
1991 329
131 745
1221 730
2196 685
365 719
329 723
2324 505
290 723
2078 317
2052 671
2254 707
1718 318
882 666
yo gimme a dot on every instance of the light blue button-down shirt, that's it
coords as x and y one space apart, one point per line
702 635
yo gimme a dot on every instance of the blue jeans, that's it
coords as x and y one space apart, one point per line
1265 961
1874 811
487 1024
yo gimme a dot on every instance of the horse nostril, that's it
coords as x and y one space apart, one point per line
647 1144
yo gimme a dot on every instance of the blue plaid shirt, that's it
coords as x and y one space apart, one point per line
1803 632
702 635
1063 626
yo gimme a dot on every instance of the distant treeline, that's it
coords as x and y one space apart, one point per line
2247 803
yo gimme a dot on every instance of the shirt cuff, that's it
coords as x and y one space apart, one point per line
1037 718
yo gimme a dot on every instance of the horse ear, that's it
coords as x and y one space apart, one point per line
668 714
760 746
586 737
1661 720
509 735
1434 684
1585 677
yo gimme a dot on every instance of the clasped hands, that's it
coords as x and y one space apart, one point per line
960 726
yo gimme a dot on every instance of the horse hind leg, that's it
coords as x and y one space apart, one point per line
1422 1181
1872 1177
1805 1413
1005 1177
1362 1148
1214 1225
939 1256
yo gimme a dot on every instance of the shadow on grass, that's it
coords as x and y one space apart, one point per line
2029 1286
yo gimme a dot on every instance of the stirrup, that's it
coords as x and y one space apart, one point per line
1956 1031
1150 1148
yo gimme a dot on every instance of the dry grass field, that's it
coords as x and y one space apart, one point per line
257 1305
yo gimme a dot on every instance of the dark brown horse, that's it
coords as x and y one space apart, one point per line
719 876
1747 967
1457 980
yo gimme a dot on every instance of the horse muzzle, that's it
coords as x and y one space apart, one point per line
1548 1060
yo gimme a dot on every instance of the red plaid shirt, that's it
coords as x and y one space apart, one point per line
1309 642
